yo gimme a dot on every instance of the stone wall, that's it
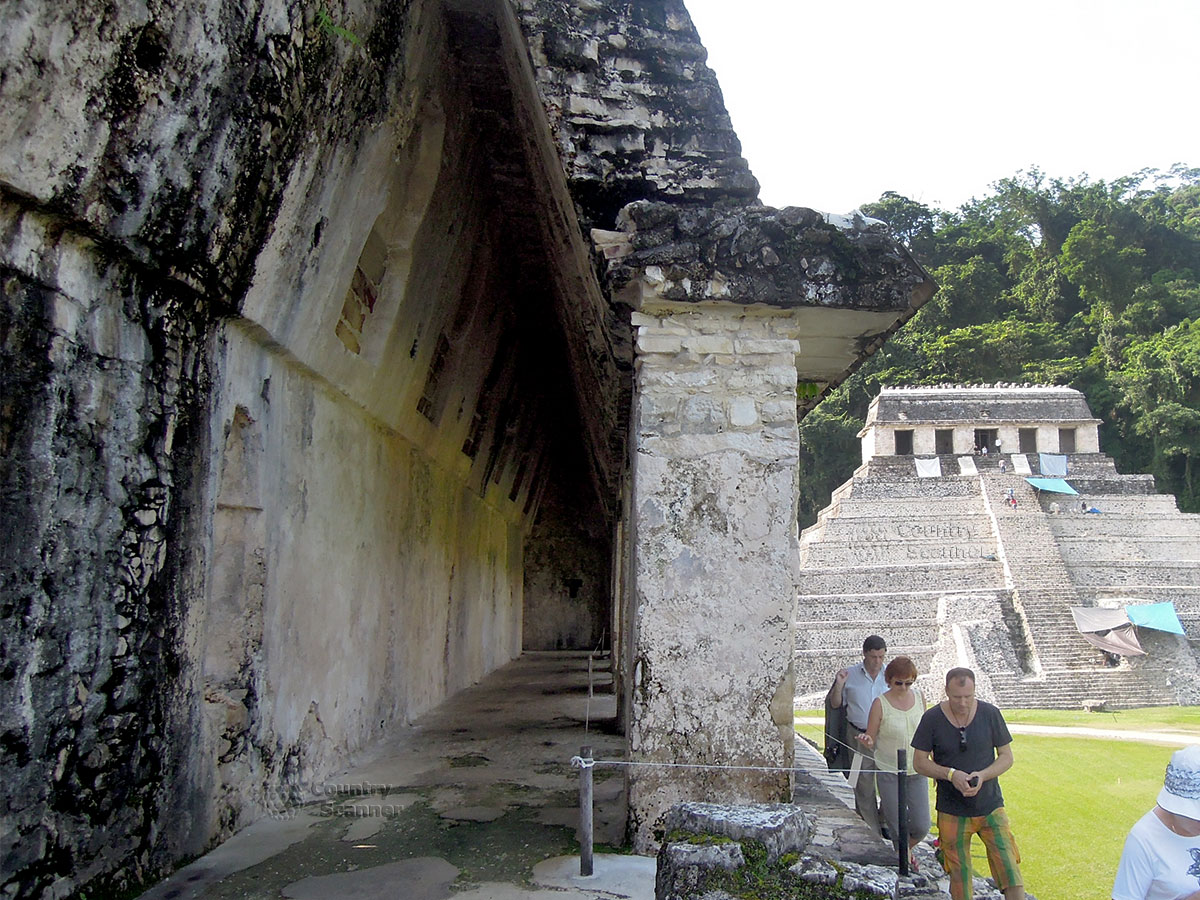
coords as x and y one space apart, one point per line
104 375
273 423
345 564
713 506
568 585
636 112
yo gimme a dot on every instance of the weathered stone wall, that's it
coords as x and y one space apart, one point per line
714 487
356 582
636 112
568 586
103 375
252 523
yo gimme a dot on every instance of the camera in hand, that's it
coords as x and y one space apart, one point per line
973 781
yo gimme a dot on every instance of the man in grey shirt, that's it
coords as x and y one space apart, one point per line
856 688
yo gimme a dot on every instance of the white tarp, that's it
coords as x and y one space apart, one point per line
1108 629
966 466
1021 464
1053 465
1091 618
929 468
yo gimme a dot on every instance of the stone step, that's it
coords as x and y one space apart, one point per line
848 636
1116 688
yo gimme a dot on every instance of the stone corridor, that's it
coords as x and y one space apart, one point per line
473 798
478 800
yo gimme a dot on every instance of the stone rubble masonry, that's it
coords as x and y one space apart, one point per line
635 111
103 380
729 851
780 827
790 258
713 507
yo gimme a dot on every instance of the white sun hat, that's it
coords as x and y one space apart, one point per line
1181 788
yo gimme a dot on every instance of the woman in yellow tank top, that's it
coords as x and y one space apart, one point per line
893 719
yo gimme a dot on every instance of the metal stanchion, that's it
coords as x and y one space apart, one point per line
585 812
902 808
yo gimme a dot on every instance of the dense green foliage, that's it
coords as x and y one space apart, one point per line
1089 284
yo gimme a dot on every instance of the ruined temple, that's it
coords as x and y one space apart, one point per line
350 349
981 516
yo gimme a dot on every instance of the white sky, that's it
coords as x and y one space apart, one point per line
837 101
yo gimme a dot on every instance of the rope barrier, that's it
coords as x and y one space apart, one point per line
581 763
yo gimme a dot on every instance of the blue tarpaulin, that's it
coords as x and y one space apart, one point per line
1054 485
1159 616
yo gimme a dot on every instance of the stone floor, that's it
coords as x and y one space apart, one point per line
479 801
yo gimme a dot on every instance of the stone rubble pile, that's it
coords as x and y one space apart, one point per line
723 852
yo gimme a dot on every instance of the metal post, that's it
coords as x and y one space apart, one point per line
585 812
902 808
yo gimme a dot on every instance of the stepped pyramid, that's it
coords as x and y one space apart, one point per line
951 573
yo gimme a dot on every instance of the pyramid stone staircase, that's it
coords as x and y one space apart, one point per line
942 566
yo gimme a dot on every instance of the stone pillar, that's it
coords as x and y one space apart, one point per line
714 557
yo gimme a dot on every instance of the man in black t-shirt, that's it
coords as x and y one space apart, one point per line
964 745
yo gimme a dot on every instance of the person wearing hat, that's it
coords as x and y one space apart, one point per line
1161 859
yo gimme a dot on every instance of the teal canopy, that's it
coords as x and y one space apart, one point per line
1054 485
1159 616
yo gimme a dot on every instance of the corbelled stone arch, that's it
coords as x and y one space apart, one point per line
400 362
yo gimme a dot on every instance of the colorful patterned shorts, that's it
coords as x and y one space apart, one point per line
954 840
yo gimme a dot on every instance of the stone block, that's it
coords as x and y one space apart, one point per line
780 827
815 870
709 344
774 411
742 412
685 870
874 880
746 346
659 343
703 412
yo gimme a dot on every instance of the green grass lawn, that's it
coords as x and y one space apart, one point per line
1154 718
1072 800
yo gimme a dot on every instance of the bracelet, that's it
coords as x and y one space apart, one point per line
950 775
